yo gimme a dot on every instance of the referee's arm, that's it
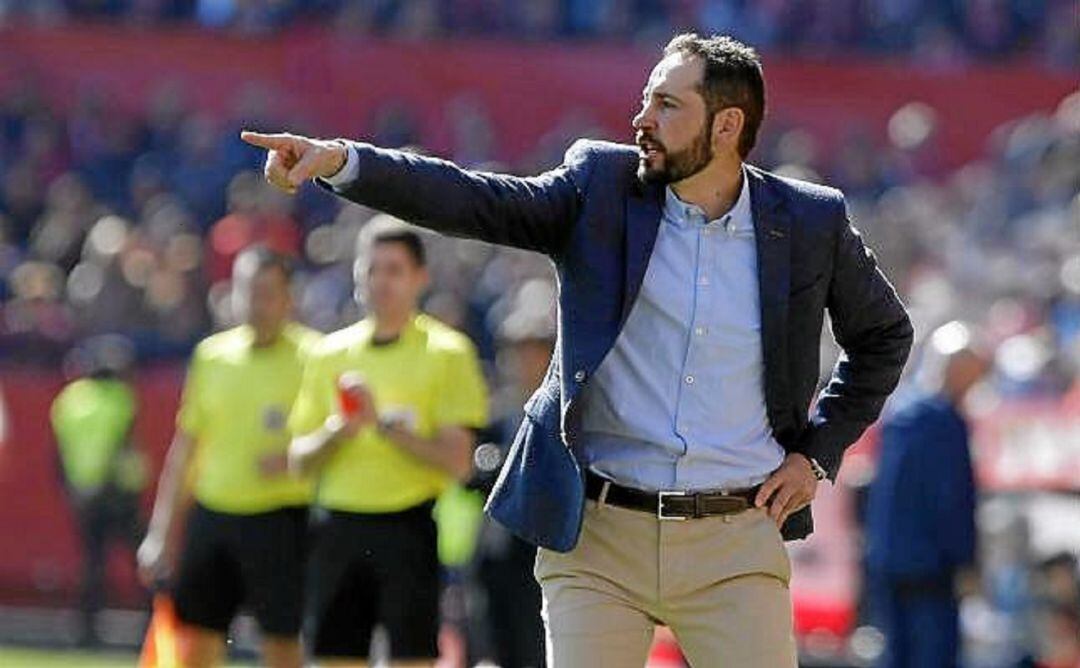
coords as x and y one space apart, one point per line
156 553
308 452
450 449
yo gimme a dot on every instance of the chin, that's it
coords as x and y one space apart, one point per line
648 174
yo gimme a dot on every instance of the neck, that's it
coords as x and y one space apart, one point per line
951 394
390 325
714 189
267 336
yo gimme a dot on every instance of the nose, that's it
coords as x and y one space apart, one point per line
642 119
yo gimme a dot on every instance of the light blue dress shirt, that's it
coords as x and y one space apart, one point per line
679 402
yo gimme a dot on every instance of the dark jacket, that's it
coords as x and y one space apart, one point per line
920 516
598 223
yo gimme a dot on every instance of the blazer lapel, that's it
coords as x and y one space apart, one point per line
642 224
772 231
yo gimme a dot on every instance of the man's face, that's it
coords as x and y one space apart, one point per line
673 126
392 279
269 300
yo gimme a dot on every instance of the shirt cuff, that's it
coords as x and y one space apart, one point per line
348 172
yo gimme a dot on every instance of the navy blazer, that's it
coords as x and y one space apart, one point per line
597 222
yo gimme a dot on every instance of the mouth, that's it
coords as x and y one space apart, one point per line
648 149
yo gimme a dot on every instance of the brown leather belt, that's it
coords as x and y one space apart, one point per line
669 505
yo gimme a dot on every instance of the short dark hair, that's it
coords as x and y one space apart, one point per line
407 238
733 78
258 258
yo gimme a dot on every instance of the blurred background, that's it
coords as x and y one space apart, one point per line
953 127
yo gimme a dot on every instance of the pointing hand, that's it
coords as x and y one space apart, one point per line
292 159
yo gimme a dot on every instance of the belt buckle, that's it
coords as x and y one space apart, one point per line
660 496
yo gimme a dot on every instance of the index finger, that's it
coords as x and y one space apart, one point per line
273 142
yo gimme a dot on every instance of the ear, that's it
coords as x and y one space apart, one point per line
727 127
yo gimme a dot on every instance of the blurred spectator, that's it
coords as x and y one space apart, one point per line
103 473
920 521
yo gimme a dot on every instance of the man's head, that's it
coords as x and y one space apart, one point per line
704 100
391 268
262 294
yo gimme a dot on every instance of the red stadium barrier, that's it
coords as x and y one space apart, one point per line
330 82
43 567
43 564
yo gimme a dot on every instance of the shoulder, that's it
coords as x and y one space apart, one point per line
813 203
338 342
442 339
922 413
586 157
75 388
302 338
220 345
596 149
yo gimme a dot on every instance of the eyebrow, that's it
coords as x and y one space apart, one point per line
667 96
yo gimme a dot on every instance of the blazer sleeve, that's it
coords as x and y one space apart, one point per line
875 335
534 213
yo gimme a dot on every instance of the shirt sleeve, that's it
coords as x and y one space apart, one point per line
191 417
463 399
348 172
314 400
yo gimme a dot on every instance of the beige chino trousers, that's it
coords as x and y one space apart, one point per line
719 583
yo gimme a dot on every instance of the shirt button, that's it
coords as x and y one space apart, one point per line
700 331
689 380
703 280
579 375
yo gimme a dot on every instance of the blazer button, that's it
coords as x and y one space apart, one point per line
579 375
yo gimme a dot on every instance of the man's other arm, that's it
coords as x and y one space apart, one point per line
875 334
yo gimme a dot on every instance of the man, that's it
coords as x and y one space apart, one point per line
701 283
920 525
244 537
381 466
92 419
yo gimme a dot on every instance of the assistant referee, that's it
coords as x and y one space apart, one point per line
373 560
244 537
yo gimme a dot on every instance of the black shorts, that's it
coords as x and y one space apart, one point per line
368 570
232 560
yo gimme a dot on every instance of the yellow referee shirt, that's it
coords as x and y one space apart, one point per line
235 405
429 377
91 418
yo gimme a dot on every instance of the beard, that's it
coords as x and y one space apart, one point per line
678 165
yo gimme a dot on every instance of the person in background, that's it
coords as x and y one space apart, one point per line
920 518
243 541
384 448
92 420
505 598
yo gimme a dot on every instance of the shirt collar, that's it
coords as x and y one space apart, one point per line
682 214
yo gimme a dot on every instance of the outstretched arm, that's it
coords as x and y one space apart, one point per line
534 213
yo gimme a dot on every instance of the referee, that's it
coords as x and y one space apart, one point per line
244 538
373 561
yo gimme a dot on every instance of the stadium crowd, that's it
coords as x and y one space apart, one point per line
123 224
941 33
